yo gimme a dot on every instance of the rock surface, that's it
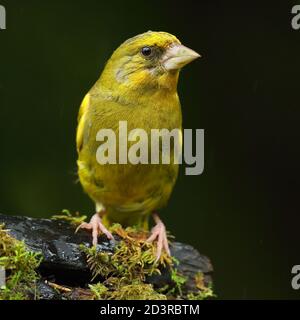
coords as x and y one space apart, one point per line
65 263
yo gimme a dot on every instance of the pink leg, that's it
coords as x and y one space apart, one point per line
97 227
159 233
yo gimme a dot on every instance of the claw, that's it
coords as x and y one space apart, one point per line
97 227
159 233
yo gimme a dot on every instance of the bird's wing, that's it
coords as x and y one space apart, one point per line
81 122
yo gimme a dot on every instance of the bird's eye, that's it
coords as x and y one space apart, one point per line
146 51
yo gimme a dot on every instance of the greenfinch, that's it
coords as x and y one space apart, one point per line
137 85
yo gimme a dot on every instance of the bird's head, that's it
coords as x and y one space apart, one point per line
147 62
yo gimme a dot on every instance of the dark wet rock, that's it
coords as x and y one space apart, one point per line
45 292
65 263
190 263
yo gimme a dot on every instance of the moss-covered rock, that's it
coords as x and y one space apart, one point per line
124 273
20 268
67 267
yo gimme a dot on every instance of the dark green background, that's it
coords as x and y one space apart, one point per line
243 211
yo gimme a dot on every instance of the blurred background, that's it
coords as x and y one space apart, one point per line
243 211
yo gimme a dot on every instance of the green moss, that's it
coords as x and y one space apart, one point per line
125 271
127 268
204 292
20 265
74 218
98 290
133 258
120 289
137 291
178 279
201 294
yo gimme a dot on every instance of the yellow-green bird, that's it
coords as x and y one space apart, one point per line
137 85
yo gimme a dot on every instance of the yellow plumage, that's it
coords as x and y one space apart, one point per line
140 90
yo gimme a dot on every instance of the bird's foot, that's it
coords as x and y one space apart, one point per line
97 227
159 233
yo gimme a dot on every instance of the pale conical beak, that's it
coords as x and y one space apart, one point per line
178 56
